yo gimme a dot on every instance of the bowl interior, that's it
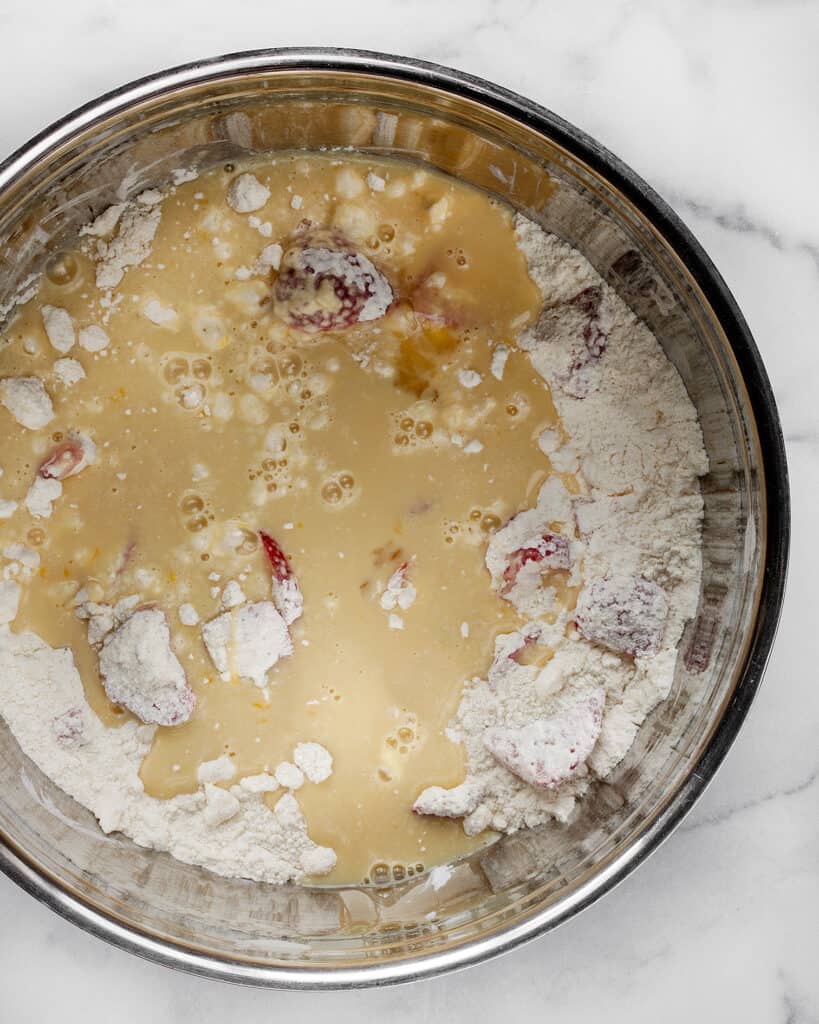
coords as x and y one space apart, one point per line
531 879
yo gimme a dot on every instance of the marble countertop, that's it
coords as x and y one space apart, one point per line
714 103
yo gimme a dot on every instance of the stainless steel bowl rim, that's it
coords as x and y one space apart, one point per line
14 862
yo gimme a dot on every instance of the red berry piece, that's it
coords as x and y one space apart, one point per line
594 329
520 556
69 727
551 552
67 459
277 558
325 285
287 595
627 614
549 751
125 558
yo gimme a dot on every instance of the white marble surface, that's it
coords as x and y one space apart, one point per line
715 103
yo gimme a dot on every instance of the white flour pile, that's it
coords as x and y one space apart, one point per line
231 831
536 738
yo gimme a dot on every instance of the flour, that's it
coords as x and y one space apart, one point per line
24 561
247 641
181 175
221 769
261 783
318 861
59 328
400 592
500 354
158 314
220 806
28 401
44 705
9 600
536 738
268 259
41 496
140 671
457 802
247 194
188 615
289 776
105 223
468 379
314 760
93 338
138 224
68 371
232 596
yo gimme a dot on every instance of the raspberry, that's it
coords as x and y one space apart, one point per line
277 558
68 458
594 336
287 595
552 550
627 614
325 285
69 727
520 554
549 751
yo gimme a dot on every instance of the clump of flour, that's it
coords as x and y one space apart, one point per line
136 224
636 449
230 831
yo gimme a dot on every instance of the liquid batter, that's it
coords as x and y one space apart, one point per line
397 444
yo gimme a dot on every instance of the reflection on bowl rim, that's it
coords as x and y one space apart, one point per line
36 880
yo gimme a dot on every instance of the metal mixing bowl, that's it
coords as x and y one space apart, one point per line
210 112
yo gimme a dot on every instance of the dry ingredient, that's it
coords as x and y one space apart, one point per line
538 735
404 516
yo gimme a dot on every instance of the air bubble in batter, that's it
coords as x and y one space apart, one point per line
62 268
175 370
332 493
191 503
201 369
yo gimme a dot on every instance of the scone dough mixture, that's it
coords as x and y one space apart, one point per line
347 519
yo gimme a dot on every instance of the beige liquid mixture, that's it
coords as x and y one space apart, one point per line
352 449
